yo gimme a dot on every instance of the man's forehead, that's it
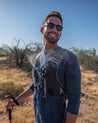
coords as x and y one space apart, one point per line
54 19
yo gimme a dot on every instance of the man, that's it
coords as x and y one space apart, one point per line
56 78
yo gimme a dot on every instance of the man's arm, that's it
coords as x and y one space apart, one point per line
73 88
28 92
70 118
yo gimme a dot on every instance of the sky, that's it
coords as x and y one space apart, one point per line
22 19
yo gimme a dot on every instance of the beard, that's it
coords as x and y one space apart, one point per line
51 37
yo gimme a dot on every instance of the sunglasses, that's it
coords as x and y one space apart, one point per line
52 25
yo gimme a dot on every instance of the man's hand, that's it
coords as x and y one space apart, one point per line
70 118
10 105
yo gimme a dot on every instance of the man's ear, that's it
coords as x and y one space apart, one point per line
41 29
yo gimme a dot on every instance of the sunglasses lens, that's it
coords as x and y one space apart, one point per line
59 28
50 25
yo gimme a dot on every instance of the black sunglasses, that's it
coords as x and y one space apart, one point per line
52 25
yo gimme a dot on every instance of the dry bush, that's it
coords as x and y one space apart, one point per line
10 88
97 78
89 62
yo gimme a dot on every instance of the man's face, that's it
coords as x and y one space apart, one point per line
52 33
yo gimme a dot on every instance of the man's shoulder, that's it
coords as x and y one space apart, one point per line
68 54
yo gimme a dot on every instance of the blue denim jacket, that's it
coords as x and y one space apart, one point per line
70 76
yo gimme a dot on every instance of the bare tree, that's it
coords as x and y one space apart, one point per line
20 51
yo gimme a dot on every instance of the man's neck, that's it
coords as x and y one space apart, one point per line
49 46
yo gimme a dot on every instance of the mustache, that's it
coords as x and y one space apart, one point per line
53 33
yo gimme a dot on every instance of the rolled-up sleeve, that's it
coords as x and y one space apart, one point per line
73 85
32 86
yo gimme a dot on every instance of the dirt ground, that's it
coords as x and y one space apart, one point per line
88 112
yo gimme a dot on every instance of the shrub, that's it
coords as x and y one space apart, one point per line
87 58
97 78
4 53
10 88
92 63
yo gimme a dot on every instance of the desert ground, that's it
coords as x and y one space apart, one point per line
88 112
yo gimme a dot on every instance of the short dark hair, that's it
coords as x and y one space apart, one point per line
55 14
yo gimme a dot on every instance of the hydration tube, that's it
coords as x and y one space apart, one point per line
43 65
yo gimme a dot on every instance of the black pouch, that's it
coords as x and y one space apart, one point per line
53 86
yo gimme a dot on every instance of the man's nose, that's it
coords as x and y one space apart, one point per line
54 28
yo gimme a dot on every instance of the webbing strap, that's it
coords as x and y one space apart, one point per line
43 65
50 60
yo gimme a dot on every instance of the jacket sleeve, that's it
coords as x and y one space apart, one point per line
73 84
32 86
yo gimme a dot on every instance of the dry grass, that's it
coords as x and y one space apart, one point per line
25 114
89 102
21 114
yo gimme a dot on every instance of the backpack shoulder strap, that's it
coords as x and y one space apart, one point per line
60 82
